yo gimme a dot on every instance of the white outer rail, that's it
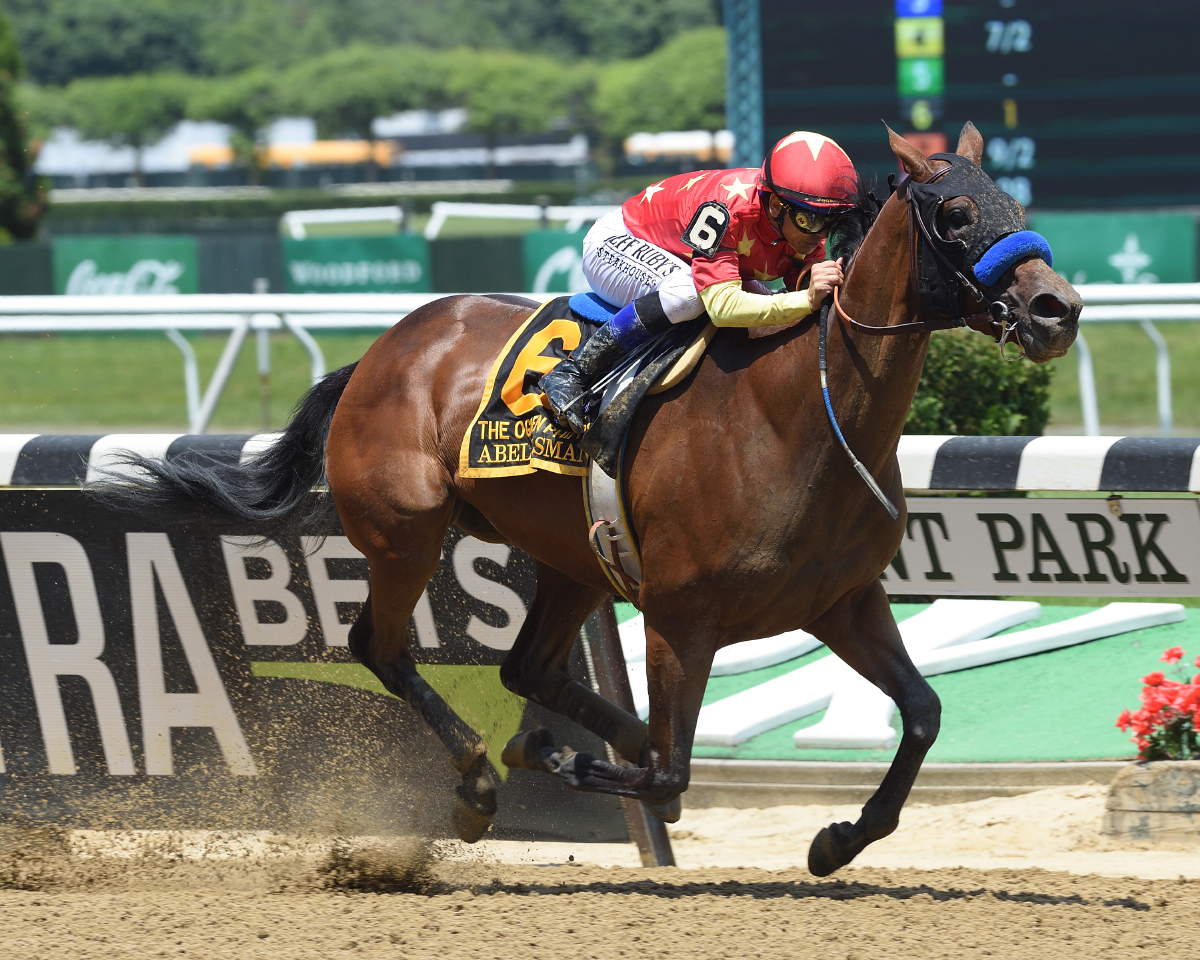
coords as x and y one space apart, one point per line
237 313
575 217
1141 303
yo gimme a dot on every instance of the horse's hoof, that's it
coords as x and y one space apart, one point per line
525 750
469 823
667 812
476 802
828 852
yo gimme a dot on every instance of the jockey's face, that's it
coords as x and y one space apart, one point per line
803 243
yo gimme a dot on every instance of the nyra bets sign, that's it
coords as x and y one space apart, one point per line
167 672
1124 547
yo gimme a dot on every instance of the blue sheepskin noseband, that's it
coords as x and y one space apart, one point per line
1009 250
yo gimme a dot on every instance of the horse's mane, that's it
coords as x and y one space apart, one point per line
849 231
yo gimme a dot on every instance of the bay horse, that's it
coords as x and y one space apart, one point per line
751 521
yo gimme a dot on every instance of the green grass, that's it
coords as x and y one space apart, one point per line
1124 362
105 383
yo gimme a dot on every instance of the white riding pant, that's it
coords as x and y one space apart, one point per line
621 267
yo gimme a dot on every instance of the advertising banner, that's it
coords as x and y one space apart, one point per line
397 264
143 264
1121 247
554 261
170 674
1123 547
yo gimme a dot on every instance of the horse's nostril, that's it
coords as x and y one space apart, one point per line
1049 307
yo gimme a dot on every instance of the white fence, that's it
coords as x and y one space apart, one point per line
1144 304
573 218
239 314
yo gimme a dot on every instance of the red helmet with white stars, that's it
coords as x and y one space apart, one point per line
812 171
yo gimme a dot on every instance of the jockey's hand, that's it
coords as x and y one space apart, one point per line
824 277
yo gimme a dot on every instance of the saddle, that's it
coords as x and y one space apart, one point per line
665 365
512 435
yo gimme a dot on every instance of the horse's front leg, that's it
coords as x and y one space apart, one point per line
677 668
861 630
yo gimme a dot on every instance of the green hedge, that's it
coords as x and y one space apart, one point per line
967 389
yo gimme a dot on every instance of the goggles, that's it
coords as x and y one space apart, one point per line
806 220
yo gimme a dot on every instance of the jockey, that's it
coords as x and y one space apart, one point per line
695 242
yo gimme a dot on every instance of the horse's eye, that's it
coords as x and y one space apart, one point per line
958 218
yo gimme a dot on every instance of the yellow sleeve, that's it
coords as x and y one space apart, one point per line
728 305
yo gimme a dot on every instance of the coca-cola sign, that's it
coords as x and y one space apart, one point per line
112 266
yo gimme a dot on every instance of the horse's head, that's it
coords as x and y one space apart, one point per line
974 253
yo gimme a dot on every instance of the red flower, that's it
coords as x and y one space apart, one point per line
1154 679
1124 721
1197 661
1174 655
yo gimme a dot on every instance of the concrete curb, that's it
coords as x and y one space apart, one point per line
767 783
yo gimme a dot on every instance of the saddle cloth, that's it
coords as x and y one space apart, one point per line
511 433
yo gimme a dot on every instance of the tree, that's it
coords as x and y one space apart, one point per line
132 111
517 93
22 195
247 102
621 29
44 108
680 86
64 40
344 91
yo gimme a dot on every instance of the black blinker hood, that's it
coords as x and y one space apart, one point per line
999 215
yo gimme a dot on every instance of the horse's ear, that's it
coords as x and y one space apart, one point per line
970 144
915 162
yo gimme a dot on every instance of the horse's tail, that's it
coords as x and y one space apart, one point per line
270 490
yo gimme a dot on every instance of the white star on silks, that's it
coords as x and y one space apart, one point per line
814 141
1130 260
652 190
736 188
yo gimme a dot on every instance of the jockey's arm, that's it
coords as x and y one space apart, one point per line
728 305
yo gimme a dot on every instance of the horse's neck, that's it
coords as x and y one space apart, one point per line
873 379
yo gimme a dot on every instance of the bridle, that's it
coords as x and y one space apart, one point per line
998 250
995 320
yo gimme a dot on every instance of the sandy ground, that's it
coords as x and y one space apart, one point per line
1053 829
1024 877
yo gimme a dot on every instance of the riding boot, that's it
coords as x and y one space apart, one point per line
633 324
566 383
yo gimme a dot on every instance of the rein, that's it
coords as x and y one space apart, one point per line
993 321
862 471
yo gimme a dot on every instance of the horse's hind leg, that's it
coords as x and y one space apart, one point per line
860 629
536 668
661 751
401 565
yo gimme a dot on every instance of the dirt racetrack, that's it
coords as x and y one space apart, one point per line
79 895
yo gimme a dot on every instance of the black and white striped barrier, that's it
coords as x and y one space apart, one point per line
1112 464
1108 464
